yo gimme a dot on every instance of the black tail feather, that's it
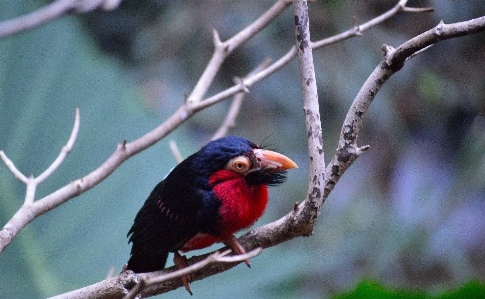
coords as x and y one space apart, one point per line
147 262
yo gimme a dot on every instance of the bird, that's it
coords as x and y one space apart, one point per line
212 194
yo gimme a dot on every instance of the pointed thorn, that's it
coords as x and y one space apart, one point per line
186 96
181 262
216 38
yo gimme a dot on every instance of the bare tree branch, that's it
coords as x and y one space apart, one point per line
64 152
300 221
11 166
175 151
285 59
216 257
311 205
50 12
233 111
358 30
12 227
223 49
393 61
294 224
32 182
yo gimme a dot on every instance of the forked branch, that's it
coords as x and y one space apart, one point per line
295 223
148 280
18 221
298 222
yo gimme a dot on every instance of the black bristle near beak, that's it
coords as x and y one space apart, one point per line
260 177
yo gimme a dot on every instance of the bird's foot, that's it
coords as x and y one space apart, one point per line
181 262
236 247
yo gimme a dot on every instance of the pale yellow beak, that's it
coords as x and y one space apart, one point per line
273 161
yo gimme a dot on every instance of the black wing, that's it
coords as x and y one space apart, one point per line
163 224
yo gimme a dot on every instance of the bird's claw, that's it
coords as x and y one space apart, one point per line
181 262
236 247
247 263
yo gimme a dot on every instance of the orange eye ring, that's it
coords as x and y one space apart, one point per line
239 164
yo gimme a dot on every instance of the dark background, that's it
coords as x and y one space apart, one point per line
410 212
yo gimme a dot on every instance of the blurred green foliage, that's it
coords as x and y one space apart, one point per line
409 213
375 290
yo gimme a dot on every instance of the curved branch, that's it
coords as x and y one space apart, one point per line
50 12
64 152
233 111
294 224
148 280
11 166
27 210
223 49
393 61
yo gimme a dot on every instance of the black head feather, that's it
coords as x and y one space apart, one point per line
214 156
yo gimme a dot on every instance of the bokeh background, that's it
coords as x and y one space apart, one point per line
409 213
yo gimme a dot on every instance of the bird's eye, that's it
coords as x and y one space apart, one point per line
239 164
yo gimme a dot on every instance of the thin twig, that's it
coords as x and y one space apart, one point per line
249 81
64 152
223 49
175 151
110 273
230 120
50 12
286 227
11 166
216 257
358 30
79 186
32 182
418 52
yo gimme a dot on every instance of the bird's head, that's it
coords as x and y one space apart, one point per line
232 157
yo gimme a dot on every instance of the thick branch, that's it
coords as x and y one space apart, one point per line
298 222
311 205
393 61
149 281
295 223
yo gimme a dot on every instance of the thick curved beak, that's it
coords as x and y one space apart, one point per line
273 161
